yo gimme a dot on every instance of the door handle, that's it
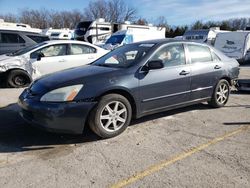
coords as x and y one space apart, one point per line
91 57
217 67
184 72
62 60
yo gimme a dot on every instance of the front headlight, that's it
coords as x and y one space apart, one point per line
62 94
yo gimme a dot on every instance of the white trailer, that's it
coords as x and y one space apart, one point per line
203 35
133 35
59 34
234 44
18 27
98 31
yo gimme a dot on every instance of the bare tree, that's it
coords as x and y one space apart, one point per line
9 17
35 18
111 10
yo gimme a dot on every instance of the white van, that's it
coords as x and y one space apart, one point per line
98 31
234 44
133 35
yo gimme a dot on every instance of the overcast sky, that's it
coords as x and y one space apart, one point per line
177 12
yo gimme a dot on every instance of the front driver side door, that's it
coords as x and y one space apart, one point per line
54 59
168 86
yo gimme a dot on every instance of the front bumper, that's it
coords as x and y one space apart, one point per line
56 117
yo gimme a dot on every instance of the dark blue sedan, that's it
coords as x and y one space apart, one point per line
130 82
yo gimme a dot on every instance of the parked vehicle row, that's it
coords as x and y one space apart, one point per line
13 40
129 82
23 66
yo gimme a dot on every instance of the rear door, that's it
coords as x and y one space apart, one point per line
206 69
168 86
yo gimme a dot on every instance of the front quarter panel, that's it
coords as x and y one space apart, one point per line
121 79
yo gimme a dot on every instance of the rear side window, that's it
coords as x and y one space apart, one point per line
77 49
199 53
11 38
38 39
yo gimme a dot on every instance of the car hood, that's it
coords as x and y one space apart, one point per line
72 76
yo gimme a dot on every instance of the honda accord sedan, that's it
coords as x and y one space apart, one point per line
130 82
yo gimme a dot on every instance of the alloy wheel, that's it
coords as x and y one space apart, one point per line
222 93
113 116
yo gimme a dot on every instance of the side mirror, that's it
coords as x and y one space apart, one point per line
39 56
155 64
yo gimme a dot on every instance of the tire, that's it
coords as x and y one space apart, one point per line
221 94
111 116
18 79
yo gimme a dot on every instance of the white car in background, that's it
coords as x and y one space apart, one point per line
20 68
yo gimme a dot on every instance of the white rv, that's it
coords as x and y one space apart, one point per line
98 31
18 27
133 35
59 34
234 44
203 35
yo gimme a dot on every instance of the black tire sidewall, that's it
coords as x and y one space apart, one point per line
94 120
11 76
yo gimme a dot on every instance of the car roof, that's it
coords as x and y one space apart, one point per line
70 42
22 32
169 40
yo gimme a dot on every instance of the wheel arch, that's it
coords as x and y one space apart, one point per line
13 69
125 94
227 78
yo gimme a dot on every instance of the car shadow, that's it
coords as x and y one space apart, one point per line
17 136
236 92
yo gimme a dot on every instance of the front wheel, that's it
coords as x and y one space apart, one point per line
221 94
111 116
18 78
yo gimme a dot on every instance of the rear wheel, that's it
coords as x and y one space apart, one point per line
221 94
111 116
18 78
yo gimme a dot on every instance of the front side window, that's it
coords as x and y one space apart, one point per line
171 55
199 53
11 38
53 50
77 49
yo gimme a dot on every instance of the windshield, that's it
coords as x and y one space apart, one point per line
124 56
115 39
82 27
27 49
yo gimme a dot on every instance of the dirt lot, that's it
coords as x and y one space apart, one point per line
195 146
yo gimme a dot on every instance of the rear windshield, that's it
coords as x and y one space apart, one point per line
124 56
37 38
